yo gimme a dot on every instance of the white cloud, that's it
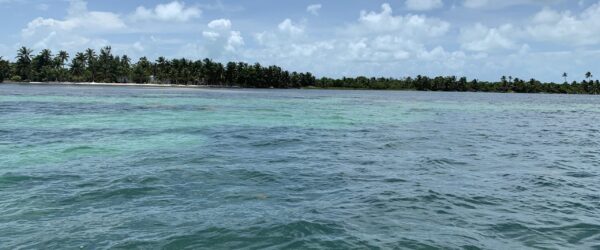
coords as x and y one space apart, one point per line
289 27
546 16
211 35
74 30
138 46
414 26
482 39
220 24
380 49
220 38
234 41
173 11
423 5
314 9
567 28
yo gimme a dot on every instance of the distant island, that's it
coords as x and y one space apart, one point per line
104 67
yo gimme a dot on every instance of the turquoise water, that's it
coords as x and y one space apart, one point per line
126 167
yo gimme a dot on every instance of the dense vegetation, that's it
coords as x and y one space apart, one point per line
452 83
89 66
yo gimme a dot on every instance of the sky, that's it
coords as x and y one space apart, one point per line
481 39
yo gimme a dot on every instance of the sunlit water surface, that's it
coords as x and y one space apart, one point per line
126 167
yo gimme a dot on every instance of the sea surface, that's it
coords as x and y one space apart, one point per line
167 168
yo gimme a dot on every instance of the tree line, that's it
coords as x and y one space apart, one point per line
103 66
453 83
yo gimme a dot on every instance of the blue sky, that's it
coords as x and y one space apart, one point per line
482 39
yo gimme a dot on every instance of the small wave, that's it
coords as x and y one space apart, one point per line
394 180
442 162
580 174
545 181
16 178
10 179
276 142
574 234
254 175
111 193
136 179
85 150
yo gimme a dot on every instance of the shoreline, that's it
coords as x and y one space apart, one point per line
206 87
104 84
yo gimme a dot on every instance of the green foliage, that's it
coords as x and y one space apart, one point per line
15 78
23 65
4 69
142 71
451 83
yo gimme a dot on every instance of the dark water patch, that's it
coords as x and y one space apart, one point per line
394 180
11 178
478 200
280 142
109 196
253 175
546 181
82 150
564 236
32 179
441 162
136 180
581 174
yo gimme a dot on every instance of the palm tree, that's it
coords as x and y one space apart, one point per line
78 66
565 75
161 69
60 59
24 63
588 75
90 55
124 68
24 53
4 69
43 65
105 61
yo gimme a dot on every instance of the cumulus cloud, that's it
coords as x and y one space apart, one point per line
220 38
220 24
423 5
289 27
173 11
483 39
410 25
566 27
74 30
314 9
